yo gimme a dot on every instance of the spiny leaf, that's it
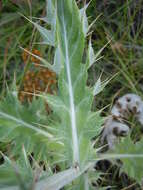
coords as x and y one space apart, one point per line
91 56
84 19
17 124
74 123
58 180
132 165
71 42
47 35
99 86
12 173
51 13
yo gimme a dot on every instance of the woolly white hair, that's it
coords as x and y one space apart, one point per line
127 103
114 126
113 129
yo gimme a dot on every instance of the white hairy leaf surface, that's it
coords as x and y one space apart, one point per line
70 38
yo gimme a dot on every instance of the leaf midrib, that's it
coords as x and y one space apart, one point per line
71 97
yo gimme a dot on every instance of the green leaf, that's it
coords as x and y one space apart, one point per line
15 173
99 86
71 42
65 136
91 56
47 35
84 19
51 13
22 125
133 165
57 66
58 180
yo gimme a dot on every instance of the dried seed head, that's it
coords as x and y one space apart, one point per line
26 56
34 59
38 80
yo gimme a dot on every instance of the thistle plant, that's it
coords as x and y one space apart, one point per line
63 137
66 135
